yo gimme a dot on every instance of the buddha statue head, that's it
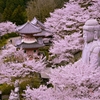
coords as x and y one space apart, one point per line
91 30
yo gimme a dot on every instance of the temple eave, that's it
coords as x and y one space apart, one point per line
28 33
30 46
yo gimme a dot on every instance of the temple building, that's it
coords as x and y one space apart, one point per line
34 35
46 33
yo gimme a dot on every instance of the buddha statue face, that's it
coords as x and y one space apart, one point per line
88 36
91 30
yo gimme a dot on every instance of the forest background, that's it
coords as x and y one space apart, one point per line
19 11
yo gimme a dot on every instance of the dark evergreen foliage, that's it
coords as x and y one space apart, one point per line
15 10
60 3
42 8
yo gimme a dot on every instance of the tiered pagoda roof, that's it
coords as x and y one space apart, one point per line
45 32
30 45
28 28
36 29
37 23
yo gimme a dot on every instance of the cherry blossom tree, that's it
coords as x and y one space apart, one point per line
73 81
10 54
69 82
72 16
7 27
63 50
66 21
14 63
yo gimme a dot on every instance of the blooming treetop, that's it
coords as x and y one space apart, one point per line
71 82
64 49
7 27
74 81
15 64
72 16
66 21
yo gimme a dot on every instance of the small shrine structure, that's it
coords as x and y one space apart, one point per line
34 35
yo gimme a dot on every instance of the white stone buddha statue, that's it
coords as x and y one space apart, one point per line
91 51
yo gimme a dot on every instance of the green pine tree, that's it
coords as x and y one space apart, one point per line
19 15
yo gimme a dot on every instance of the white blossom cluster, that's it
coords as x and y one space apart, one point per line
7 27
71 82
67 23
15 64
64 49
68 19
72 16
21 69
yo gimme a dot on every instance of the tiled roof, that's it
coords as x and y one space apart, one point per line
30 46
37 23
28 28
44 33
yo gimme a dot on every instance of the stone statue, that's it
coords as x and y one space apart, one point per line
14 95
91 51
